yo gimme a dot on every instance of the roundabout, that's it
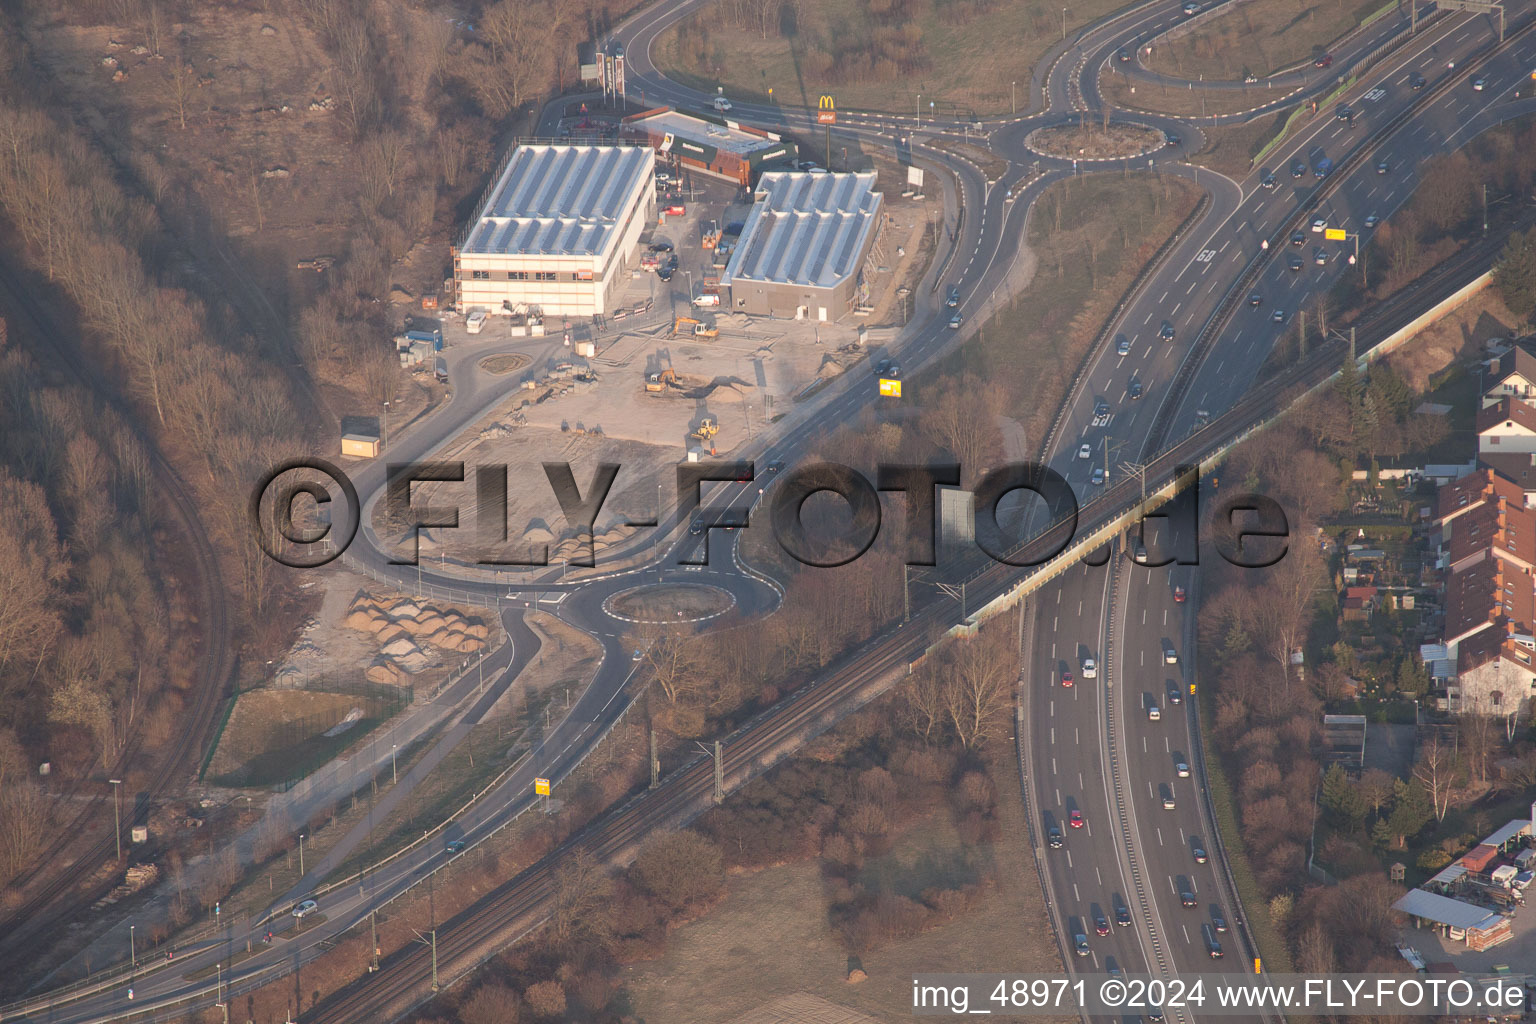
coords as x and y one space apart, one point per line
1074 142
656 603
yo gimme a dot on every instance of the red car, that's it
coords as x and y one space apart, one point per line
1178 595
1075 819
1326 60
1066 679
677 210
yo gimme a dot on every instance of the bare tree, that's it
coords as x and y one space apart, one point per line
583 900
979 688
181 82
1436 771
670 653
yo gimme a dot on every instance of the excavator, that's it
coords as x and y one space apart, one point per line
658 382
687 325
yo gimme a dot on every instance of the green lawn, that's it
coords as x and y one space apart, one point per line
951 55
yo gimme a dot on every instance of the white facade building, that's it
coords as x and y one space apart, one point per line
559 230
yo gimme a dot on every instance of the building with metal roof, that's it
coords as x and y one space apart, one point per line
559 230
803 247
1428 906
708 143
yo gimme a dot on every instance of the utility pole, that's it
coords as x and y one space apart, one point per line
906 593
1485 203
1352 356
1063 24
1301 332
373 929
719 770
117 814
655 761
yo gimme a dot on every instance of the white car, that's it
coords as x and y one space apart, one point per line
306 908
1318 224
1154 713
1090 669
1372 220
722 104
1085 451
1182 769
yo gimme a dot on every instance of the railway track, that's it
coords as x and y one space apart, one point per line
216 660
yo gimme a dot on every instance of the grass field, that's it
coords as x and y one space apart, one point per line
279 735
1230 148
963 66
1259 37
772 928
1170 99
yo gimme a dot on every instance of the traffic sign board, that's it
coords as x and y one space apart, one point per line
1335 234
890 388
541 787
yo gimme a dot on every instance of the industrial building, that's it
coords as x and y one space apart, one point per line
803 247
560 230
707 143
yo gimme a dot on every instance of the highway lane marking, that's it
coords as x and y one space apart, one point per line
1160 841
1076 894
1176 306
1053 735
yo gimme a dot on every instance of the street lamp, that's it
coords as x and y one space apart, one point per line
393 773
1013 94
133 957
1063 24
117 816
301 854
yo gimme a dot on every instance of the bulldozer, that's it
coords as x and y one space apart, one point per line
706 432
656 383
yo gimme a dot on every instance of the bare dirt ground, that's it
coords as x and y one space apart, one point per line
1122 140
670 602
772 928
1460 335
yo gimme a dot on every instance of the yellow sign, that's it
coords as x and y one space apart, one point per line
1257 966
1335 234
826 111
890 388
541 787
1191 687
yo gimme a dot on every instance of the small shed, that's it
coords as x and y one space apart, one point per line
1480 859
360 446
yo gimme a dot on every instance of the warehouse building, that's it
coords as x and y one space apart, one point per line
803 247
560 230
708 144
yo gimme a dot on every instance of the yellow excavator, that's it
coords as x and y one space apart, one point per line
658 382
687 325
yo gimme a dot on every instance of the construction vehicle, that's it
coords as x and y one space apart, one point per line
689 326
706 432
711 234
656 383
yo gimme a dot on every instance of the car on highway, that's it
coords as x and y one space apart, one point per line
1191 7
1278 316
1298 168
1320 257
1372 220
893 371
775 466
1319 224
1134 389
695 528
1075 818
1139 552
1212 944
1173 140
1080 943
1323 169
1170 656
638 653
1173 693
1066 680
1181 770
1382 167
1218 918
1090 669
1199 852
1479 84
306 908
1123 55
1113 967
1122 913
1168 804
953 298
1269 180
1325 61
1255 300
1100 922
1053 836
1187 895
1123 348
1343 113
881 367
1298 238
1154 713
722 105
454 846
1101 413
955 322
1296 262
1418 81
1178 595
1085 451
1166 332
1154 1013
1098 476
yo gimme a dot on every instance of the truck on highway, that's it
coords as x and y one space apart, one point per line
1324 167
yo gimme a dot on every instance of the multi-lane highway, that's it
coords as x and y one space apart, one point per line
1091 748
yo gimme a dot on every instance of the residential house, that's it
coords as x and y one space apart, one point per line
1359 603
1508 425
1511 375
